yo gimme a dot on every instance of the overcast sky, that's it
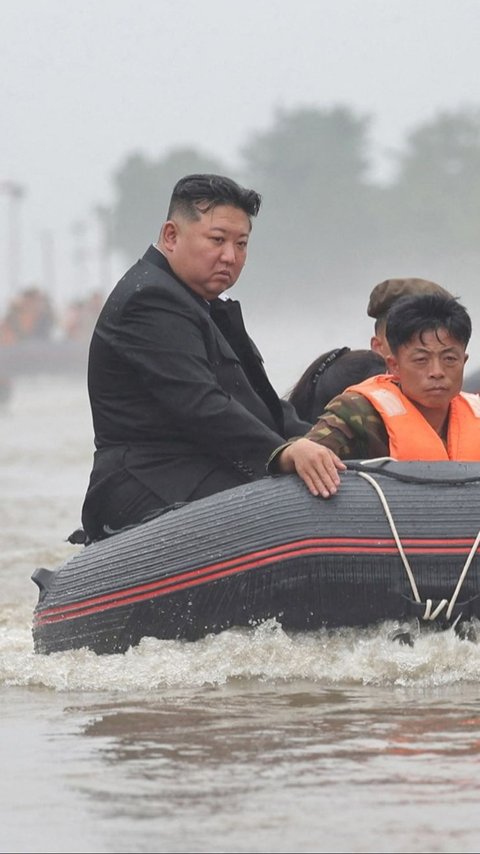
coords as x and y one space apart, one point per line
85 82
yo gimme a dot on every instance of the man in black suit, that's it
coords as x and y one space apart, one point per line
181 404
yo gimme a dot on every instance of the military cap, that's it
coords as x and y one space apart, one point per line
387 292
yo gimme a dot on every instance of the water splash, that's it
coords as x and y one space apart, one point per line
265 653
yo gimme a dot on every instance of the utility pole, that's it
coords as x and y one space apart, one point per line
104 223
15 193
49 279
80 258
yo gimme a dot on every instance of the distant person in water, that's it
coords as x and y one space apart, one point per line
30 316
182 406
383 296
415 412
329 375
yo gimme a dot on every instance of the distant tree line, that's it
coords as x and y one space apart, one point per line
325 222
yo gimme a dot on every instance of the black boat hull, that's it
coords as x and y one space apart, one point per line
270 549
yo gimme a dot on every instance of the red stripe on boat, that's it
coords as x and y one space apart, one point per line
242 563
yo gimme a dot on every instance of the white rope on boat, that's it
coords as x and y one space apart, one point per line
393 527
463 574
428 613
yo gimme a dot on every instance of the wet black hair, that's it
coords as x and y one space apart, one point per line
196 194
330 374
416 315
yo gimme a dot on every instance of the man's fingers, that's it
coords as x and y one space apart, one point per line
320 481
318 467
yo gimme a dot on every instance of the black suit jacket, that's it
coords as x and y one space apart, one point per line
177 388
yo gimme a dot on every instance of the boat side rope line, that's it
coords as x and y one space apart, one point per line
377 465
428 614
463 574
393 528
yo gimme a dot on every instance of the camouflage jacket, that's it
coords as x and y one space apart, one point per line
350 426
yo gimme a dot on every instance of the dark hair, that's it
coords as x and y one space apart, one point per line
415 315
330 374
196 194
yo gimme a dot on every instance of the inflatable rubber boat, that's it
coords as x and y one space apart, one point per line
399 541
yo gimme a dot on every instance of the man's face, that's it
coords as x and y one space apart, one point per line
430 371
208 254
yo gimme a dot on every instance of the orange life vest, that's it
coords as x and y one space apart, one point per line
410 435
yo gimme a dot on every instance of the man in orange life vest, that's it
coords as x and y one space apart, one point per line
417 411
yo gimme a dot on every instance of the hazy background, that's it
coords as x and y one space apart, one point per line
358 121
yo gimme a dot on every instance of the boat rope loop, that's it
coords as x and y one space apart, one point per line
430 612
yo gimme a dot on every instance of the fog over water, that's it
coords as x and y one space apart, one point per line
84 85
